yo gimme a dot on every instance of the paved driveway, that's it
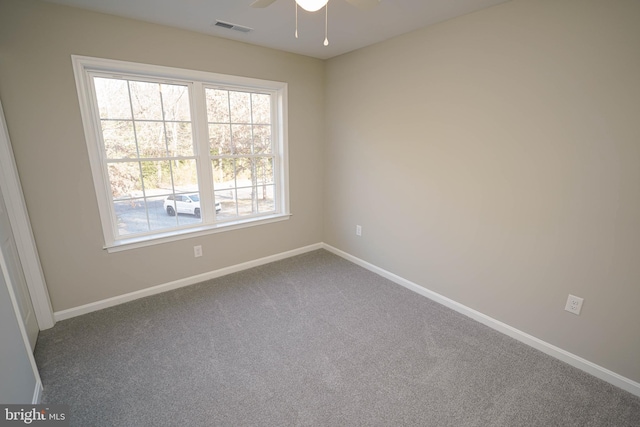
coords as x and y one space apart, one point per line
132 218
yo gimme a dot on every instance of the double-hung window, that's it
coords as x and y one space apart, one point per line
175 152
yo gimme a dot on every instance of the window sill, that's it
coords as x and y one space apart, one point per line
172 236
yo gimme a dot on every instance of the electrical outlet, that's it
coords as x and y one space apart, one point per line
358 230
197 251
574 304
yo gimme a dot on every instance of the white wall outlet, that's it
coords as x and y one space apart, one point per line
574 304
197 251
358 230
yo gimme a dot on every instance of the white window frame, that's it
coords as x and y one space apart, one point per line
84 67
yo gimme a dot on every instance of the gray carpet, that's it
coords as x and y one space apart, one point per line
309 341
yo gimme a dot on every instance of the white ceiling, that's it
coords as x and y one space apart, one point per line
349 28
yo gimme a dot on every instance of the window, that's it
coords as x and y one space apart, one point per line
175 152
241 151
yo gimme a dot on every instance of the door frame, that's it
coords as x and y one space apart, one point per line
37 392
21 227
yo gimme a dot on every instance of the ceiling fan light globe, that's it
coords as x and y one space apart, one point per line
312 5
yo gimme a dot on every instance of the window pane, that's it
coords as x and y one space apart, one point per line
240 107
175 101
179 139
140 215
243 172
113 98
246 201
264 170
158 217
145 99
119 139
227 201
151 139
266 198
131 216
219 140
162 212
241 137
185 175
189 219
223 173
261 106
157 178
262 139
125 180
217 105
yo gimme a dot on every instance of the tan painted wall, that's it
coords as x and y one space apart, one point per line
38 93
495 159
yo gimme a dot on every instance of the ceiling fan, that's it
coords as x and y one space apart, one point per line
315 5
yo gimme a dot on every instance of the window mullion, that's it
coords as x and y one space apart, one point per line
144 193
201 148
167 153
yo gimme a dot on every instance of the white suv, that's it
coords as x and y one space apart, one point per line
185 203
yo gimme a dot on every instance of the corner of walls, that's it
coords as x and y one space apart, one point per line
494 158
38 38
597 371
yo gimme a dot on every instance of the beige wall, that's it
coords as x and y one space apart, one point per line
495 159
38 93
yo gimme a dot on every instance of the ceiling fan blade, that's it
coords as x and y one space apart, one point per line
262 3
364 4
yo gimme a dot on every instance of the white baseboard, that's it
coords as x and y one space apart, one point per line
120 299
573 360
37 393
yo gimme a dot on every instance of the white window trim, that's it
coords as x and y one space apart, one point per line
83 66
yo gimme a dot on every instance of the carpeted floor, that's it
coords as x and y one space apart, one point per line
309 341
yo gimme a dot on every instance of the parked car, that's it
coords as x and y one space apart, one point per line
185 204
